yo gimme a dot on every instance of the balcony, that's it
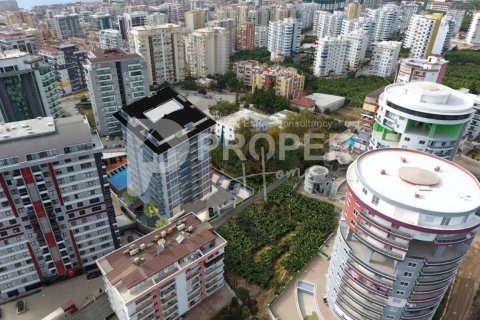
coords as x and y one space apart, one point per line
364 313
428 289
438 270
432 280
381 238
382 292
368 216
346 310
417 314
365 302
375 279
363 292
363 239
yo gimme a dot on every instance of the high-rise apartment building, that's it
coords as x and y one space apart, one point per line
260 16
424 116
18 40
29 88
162 49
407 221
331 56
428 34
110 39
231 28
386 21
306 13
352 10
67 25
115 79
261 36
473 127
101 21
384 58
408 9
284 37
156 18
207 51
431 69
457 15
67 59
473 36
168 151
329 24
131 20
444 34
20 18
56 211
166 273
246 37
357 47
195 19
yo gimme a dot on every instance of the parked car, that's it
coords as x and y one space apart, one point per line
93 274
231 185
211 213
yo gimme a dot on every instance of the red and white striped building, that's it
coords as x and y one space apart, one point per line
56 214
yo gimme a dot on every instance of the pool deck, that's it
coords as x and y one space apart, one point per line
113 166
285 307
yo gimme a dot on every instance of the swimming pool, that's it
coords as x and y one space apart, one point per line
118 178
350 142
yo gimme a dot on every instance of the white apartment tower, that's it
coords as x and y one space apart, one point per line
358 43
386 21
284 37
457 15
423 116
56 210
384 58
408 9
166 273
473 36
331 56
407 221
418 36
110 39
207 51
261 36
162 49
444 34
329 24
114 79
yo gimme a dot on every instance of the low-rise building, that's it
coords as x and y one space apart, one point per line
167 272
326 102
370 107
442 6
287 82
228 124
246 69
431 69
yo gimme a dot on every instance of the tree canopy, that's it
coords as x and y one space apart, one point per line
223 108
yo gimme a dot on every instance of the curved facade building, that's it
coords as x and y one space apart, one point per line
407 221
424 116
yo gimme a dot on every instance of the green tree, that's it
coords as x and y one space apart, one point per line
222 108
150 210
473 89
91 119
129 198
161 222
83 98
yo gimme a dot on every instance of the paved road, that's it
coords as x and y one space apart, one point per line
96 309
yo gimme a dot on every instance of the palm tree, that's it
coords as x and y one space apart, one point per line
150 210
129 198
160 223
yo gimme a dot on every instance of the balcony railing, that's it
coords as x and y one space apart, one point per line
365 314
357 268
371 218
380 238
374 247
372 298
364 302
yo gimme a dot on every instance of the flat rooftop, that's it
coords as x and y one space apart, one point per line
100 56
322 99
119 265
233 119
167 116
41 134
442 186
429 97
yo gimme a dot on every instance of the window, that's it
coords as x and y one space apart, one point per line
355 212
445 221
412 264
406 139
404 283
407 274
421 142
375 200
400 293
364 191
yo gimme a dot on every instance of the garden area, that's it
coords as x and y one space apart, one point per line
463 70
270 242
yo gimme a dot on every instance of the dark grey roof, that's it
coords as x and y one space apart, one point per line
188 117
